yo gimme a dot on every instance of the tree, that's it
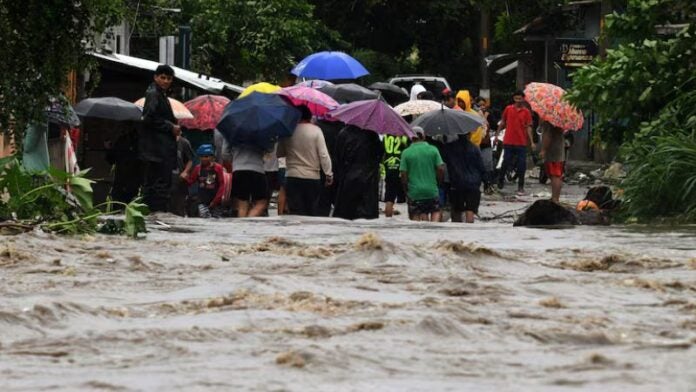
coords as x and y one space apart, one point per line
249 40
643 94
42 42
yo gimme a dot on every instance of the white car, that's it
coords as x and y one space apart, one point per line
434 84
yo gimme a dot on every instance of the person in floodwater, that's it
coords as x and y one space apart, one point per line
421 170
306 156
250 190
210 178
358 154
553 154
517 122
158 141
394 191
466 171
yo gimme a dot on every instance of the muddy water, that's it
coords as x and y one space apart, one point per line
316 304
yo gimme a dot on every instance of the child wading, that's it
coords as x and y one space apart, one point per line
210 178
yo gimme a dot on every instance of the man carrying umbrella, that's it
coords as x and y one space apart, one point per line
158 146
517 122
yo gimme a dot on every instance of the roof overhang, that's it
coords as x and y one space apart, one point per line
189 78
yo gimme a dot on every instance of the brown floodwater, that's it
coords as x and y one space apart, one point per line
303 304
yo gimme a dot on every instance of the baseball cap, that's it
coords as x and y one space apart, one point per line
205 149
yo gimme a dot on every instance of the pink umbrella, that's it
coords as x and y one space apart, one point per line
373 115
317 102
547 101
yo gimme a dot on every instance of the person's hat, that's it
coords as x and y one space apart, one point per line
205 149
446 93
419 131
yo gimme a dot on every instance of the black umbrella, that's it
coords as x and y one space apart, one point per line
110 108
392 93
59 111
348 92
448 122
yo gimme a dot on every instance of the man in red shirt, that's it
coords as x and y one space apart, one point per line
517 122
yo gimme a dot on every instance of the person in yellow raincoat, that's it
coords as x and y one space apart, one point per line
463 102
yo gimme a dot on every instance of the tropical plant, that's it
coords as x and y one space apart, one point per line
662 161
643 94
58 201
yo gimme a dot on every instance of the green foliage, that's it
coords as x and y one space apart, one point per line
41 198
643 74
42 41
644 92
244 40
662 161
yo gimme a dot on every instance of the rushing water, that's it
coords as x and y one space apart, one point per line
319 304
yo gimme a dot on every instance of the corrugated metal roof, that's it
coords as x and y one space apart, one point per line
203 82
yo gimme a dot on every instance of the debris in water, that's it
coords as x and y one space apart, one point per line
367 326
369 241
460 247
551 302
291 358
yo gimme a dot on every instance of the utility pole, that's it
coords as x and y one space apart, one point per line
484 43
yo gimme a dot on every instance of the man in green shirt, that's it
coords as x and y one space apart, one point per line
421 170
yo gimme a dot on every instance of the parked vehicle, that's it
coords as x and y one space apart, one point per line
432 83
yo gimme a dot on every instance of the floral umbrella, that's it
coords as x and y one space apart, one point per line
180 111
317 102
207 111
547 101
417 107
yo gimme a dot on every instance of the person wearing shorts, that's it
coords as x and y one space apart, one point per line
421 170
394 191
249 184
553 154
467 171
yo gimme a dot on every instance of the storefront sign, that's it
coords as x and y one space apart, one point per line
575 53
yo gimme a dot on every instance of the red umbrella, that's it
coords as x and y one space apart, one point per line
547 101
207 110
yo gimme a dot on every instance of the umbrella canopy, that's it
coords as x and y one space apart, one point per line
60 112
206 109
317 102
417 107
180 111
348 92
315 83
374 115
547 101
109 108
448 122
329 66
263 87
392 93
258 120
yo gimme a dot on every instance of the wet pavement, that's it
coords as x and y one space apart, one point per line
304 304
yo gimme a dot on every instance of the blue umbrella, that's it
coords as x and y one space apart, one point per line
258 120
329 66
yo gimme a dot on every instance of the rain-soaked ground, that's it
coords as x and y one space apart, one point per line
303 304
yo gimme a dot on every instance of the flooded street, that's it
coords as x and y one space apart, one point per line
303 304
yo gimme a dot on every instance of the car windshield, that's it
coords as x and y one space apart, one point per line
434 86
